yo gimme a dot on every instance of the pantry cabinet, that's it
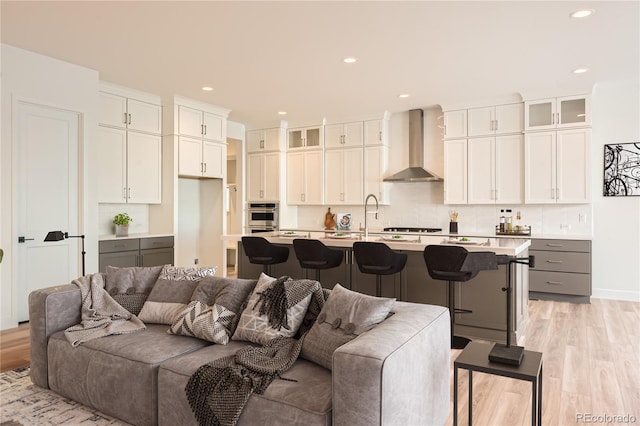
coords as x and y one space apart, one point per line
344 135
343 176
557 167
128 113
129 144
455 124
263 176
499 119
305 137
304 177
558 113
265 140
455 171
496 170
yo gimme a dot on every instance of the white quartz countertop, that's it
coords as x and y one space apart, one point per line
399 241
107 237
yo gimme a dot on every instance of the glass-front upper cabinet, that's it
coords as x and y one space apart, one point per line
555 113
306 137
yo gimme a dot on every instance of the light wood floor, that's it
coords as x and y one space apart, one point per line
591 356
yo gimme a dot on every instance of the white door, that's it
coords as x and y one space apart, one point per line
190 156
255 175
509 169
313 177
455 172
353 176
112 176
540 168
213 154
46 188
481 170
144 168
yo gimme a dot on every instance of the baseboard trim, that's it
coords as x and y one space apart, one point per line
629 296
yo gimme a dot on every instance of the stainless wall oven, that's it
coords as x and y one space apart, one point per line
262 217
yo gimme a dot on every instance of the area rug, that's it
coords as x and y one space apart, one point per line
24 404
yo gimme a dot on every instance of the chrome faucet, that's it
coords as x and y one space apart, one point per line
366 203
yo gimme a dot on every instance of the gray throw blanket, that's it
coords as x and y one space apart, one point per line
101 315
219 390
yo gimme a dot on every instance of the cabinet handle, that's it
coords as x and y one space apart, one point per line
496 126
261 193
205 129
205 168
262 144
301 197
380 135
445 129
129 119
554 261
124 192
553 193
554 245
125 118
202 129
129 193
342 196
555 282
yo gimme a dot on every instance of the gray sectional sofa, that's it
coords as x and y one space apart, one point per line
398 373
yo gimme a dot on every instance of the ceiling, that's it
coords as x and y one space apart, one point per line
264 57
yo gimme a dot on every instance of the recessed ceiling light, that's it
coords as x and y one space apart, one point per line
404 95
582 13
580 70
282 112
207 88
349 60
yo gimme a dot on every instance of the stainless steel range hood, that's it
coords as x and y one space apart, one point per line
416 171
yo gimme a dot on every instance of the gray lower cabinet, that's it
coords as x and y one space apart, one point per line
152 251
562 271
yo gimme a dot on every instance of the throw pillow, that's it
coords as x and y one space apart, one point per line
345 315
228 292
131 286
171 293
256 327
210 323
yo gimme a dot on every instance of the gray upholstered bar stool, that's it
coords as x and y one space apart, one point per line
455 264
378 259
313 254
262 252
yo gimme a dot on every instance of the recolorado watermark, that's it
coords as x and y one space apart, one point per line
605 418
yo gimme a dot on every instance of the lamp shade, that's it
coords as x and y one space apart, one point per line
54 236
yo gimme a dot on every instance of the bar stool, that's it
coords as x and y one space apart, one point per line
455 264
262 252
313 254
378 259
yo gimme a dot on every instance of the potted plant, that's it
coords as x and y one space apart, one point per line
122 220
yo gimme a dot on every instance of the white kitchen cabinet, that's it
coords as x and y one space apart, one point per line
343 176
455 124
455 171
375 169
127 113
557 167
131 166
196 123
265 140
201 158
376 132
305 137
344 135
304 177
499 119
495 170
557 113
263 176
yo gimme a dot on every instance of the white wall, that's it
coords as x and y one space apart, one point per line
45 80
616 236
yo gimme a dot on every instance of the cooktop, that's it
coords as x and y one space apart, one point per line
409 229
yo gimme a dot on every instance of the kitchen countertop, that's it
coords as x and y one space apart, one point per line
107 237
409 241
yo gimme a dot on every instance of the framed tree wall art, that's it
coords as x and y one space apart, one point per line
622 169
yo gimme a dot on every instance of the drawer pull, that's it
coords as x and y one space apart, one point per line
554 245
555 282
554 261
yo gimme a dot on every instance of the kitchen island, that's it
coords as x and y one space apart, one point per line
483 295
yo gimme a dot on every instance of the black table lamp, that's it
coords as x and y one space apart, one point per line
509 354
59 236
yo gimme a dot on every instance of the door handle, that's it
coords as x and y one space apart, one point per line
23 239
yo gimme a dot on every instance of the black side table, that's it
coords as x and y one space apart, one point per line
475 357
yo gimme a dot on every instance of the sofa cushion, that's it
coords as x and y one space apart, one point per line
130 287
206 322
232 293
345 315
304 401
254 326
171 293
116 374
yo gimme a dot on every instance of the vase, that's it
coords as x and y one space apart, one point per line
122 230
